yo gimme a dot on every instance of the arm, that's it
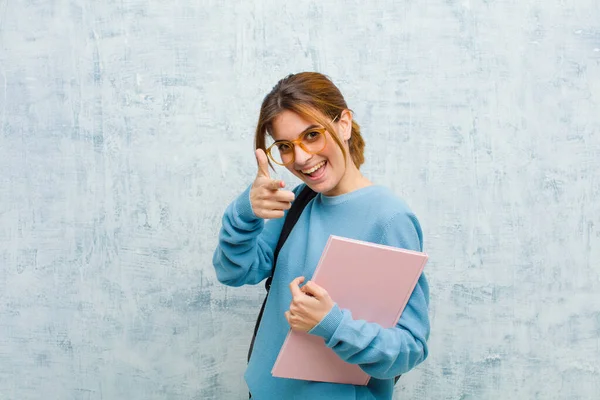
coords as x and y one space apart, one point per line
244 254
384 353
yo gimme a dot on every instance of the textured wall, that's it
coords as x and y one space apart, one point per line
126 127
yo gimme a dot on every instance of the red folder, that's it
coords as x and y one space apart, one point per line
374 282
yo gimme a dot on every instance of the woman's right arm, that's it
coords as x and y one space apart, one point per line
244 254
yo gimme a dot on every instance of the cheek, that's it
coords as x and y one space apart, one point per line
335 155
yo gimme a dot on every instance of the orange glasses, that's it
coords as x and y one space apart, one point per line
312 141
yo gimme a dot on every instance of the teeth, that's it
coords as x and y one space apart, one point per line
313 169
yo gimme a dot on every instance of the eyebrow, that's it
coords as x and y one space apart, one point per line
308 128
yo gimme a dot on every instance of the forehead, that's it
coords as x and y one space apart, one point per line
288 125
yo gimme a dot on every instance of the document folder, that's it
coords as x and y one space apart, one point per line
374 282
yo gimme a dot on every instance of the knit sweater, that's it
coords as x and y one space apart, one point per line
244 255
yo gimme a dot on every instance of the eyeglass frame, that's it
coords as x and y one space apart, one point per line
298 141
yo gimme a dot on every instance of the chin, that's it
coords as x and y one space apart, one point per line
322 187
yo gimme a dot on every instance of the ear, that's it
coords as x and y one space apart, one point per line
345 124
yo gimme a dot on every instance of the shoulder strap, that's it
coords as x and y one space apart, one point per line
298 205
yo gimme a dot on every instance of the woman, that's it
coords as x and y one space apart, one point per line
311 132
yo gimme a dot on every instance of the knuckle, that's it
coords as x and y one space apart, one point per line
266 194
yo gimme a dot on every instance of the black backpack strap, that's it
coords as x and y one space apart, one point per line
298 205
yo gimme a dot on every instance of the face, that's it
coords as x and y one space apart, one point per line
324 171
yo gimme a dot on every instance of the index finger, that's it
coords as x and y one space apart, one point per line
295 286
312 289
275 184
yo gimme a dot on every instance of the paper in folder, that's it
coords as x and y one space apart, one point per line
374 282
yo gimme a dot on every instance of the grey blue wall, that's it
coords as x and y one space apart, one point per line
126 127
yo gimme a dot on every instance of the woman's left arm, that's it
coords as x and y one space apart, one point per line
384 353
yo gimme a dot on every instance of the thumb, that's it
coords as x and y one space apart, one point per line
263 163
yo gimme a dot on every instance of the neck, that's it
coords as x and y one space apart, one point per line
352 180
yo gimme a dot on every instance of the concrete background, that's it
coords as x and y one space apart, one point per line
126 127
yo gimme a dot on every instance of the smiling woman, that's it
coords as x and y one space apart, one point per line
309 103
306 126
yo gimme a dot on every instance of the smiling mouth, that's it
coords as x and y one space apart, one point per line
314 170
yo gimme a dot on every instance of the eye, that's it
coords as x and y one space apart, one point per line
312 136
284 147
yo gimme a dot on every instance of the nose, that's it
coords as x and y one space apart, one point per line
301 156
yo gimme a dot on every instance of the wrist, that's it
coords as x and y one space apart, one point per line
329 324
243 206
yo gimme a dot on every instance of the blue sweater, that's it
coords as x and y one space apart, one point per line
245 256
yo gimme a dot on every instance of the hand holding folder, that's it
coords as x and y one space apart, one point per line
374 282
308 303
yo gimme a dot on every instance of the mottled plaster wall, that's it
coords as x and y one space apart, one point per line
126 127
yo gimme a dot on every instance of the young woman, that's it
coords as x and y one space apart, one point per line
306 126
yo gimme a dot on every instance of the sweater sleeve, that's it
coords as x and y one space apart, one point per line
384 353
244 254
